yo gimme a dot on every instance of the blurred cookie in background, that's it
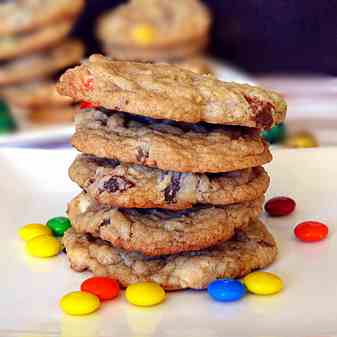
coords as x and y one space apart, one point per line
52 115
41 64
24 16
155 30
35 94
34 47
13 46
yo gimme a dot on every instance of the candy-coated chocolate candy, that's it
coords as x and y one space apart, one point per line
86 105
43 246
7 122
143 34
263 283
302 139
276 134
79 303
311 231
33 230
59 225
105 288
280 206
226 290
145 294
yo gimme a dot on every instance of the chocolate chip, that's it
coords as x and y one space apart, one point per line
64 250
142 155
105 111
172 189
264 119
118 184
103 161
265 243
262 110
241 236
163 214
105 222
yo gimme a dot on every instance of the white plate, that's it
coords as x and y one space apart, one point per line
34 187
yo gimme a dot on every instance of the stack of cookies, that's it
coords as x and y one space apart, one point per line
34 48
171 174
172 31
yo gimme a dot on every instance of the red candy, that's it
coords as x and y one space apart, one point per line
311 231
86 105
104 288
280 206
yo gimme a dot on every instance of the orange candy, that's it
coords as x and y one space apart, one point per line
311 231
104 288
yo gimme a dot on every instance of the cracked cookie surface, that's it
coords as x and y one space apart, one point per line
111 182
157 231
168 92
251 248
179 147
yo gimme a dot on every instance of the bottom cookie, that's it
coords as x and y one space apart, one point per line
250 249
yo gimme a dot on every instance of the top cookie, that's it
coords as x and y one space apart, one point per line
169 92
154 23
20 16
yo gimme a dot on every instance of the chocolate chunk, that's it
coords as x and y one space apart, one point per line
103 161
264 119
265 243
163 214
118 184
172 189
263 112
241 236
105 222
142 155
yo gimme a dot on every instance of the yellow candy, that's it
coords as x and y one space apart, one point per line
33 230
43 246
145 294
263 283
301 140
79 303
143 34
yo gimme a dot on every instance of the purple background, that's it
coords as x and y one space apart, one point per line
259 35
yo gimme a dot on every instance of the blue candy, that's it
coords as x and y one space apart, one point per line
226 290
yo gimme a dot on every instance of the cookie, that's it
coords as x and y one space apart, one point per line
197 64
155 232
149 29
113 183
41 64
52 115
35 94
25 43
187 50
22 16
168 145
169 92
252 248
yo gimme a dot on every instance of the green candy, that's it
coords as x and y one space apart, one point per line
7 123
276 135
59 225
